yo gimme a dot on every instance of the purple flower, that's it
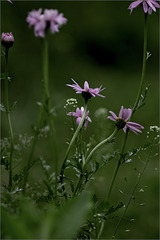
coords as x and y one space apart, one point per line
86 92
10 1
122 120
147 5
79 114
7 39
41 22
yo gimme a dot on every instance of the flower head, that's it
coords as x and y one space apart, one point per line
79 114
10 1
7 40
146 5
42 21
122 121
86 92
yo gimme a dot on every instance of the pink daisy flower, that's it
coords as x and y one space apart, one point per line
86 92
79 114
122 121
146 5
42 21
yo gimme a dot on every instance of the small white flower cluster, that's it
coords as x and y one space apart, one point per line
71 102
154 129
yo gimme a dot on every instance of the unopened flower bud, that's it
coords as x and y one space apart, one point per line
7 40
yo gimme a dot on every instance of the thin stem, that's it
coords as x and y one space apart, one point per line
107 140
100 231
8 117
45 108
117 167
143 66
72 142
135 105
131 197
133 110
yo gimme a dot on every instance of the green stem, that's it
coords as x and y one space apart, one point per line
101 230
117 167
135 105
46 107
107 140
72 142
8 117
131 197
133 110
143 66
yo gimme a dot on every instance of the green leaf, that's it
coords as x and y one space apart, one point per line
114 209
14 228
65 222
141 102
13 106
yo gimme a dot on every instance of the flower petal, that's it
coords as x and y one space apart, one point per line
155 4
86 86
78 120
125 128
89 119
111 118
113 114
149 10
134 129
85 125
151 5
133 124
145 7
134 4
125 113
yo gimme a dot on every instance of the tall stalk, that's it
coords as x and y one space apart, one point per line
134 108
131 196
8 117
71 143
45 109
133 111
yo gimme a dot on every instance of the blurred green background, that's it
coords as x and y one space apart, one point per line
102 44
